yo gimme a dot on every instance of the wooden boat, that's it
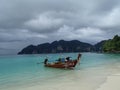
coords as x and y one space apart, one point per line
63 64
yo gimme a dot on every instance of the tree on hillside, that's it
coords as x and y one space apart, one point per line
112 45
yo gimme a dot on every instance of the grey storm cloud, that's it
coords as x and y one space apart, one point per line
24 22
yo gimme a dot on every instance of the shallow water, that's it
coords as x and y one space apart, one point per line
22 71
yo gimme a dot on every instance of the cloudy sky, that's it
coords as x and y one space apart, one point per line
24 22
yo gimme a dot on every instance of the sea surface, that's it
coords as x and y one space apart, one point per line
18 72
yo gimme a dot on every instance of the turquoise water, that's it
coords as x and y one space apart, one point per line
19 70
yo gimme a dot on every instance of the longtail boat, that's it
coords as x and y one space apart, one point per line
67 63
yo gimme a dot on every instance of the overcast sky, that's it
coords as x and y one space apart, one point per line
25 22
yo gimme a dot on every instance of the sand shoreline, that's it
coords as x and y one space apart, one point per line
112 83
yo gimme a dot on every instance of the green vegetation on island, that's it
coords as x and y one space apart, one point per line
112 45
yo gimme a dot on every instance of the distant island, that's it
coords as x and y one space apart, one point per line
62 46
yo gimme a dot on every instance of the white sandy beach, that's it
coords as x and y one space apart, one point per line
112 83
76 81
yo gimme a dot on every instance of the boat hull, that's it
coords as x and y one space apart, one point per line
70 64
